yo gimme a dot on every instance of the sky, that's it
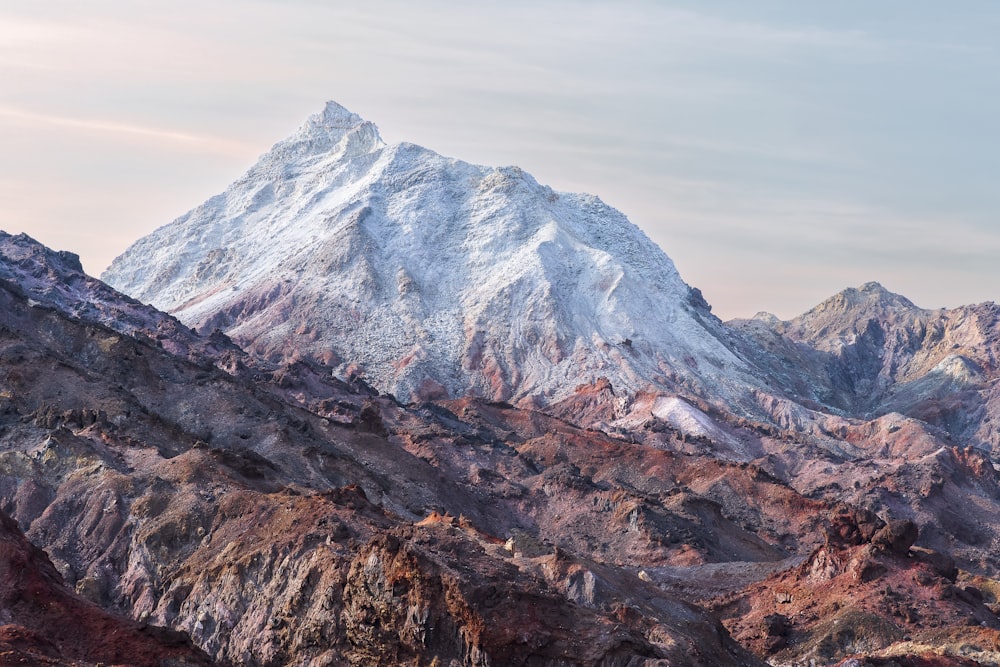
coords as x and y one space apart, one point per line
778 151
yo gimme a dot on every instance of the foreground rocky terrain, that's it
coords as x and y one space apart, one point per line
477 422
45 624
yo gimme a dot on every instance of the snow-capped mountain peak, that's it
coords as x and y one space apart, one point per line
334 130
430 276
333 117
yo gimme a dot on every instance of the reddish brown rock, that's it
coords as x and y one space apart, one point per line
45 624
896 536
850 600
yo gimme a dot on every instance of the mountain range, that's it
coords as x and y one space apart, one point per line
432 278
387 407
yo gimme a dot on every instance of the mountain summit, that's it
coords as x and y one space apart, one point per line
431 277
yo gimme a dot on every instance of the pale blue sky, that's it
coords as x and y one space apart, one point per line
778 151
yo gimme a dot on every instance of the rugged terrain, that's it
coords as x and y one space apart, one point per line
477 422
278 516
44 623
867 352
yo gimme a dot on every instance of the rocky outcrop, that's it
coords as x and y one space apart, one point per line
871 596
897 537
43 623
407 598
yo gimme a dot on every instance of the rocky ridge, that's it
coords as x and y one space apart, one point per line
56 280
867 352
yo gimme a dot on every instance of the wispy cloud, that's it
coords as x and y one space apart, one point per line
198 142
839 231
712 32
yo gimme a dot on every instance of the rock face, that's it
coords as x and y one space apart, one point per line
869 599
44 623
867 352
431 277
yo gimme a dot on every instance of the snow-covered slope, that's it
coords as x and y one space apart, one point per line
430 276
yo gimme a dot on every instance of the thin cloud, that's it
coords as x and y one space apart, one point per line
204 143
715 33
835 227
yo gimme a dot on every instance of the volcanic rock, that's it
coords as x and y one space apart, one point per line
896 536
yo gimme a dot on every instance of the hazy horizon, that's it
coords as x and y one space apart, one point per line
778 153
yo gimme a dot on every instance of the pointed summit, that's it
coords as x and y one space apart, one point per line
429 276
334 115
875 291
873 287
324 132
870 296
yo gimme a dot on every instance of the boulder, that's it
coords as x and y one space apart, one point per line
896 537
